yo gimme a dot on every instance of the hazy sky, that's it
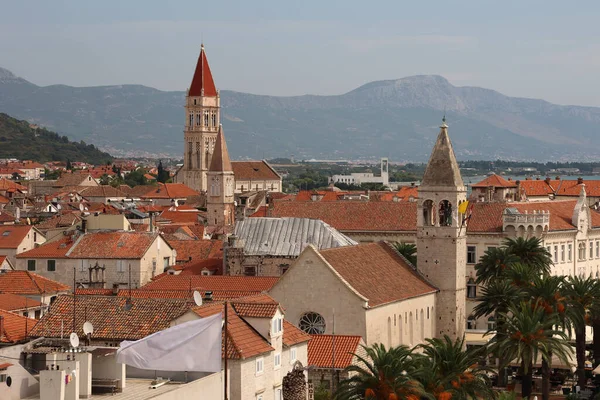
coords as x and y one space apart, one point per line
542 49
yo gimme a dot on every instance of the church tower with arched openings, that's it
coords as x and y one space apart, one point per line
441 236
220 205
202 120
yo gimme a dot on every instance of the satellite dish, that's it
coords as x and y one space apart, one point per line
197 298
80 207
88 328
74 340
58 207
127 305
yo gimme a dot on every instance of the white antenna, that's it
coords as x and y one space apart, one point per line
197 298
88 328
74 340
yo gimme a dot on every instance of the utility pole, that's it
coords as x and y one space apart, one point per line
74 297
225 355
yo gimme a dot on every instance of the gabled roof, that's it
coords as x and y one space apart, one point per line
194 250
286 236
213 282
169 191
108 316
377 272
11 186
55 249
346 216
442 168
181 217
112 244
74 179
202 83
495 181
14 327
255 310
102 191
293 335
12 302
321 353
6 217
25 282
220 158
59 221
12 235
214 265
253 170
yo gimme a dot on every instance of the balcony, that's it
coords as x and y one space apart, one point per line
536 222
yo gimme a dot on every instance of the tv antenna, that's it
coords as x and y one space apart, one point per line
197 298
74 340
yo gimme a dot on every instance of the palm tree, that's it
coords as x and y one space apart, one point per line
494 264
408 250
530 334
382 374
530 252
581 294
446 370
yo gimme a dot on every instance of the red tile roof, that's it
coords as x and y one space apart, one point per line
255 310
538 187
321 355
495 181
112 244
94 292
4 366
58 221
365 266
6 217
213 282
253 170
56 249
181 217
169 191
12 302
193 250
353 215
102 191
4 200
108 316
293 335
572 188
214 265
11 236
202 82
11 186
25 282
260 212
14 327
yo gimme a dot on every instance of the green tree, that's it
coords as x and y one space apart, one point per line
530 252
408 250
382 374
447 370
529 336
163 175
105 179
494 264
69 166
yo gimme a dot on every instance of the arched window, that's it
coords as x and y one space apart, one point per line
411 329
389 332
205 119
214 120
582 251
471 322
428 214
445 212
422 325
471 288
400 338
312 323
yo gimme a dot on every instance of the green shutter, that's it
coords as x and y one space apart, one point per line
30 265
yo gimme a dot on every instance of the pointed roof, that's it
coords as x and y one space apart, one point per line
442 168
203 79
495 181
220 158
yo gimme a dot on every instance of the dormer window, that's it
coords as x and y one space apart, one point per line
277 325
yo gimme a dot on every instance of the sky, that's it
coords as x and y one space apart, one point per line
538 49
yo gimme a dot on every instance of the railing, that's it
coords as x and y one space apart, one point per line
526 219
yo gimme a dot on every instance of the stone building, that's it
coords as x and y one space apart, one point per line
220 204
267 246
16 239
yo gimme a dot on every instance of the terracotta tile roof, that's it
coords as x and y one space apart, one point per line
169 191
25 282
139 191
15 327
157 294
573 188
140 227
56 249
213 282
193 250
495 181
112 244
255 310
181 217
260 212
6 217
4 200
202 83
214 265
4 366
538 187
73 179
253 170
293 335
12 302
94 292
58 221
366 266
2 259
320 350
110 320
12 235
102 191
487 217
11 186
354 215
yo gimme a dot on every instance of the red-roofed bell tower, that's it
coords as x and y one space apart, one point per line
202 120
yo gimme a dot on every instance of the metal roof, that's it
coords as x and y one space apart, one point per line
287 236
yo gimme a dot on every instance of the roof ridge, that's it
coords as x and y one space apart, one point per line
413 268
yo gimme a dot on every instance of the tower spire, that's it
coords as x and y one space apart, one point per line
202 83
442 168
220 159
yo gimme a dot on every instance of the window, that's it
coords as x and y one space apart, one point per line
570 252
277 360
292 355
555 254
471 322
312 323
277 394
120 266
562 253
277 325
30 265
581 249
166 262
250 271
471 289
259 397
51 266
471 254
591 250
491 323
260 364
597 249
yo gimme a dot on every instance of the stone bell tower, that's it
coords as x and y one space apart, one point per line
202 120
220 205
441 238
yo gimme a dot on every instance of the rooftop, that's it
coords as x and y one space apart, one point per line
25 282
213 282
13 302
253 170
12 235
112 244
169 191
321 355
14 327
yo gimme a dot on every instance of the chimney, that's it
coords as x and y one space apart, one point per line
547 180
557 178
83 225
115 289
232 240
518 196
579 180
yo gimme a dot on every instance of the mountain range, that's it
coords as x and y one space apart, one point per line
393 118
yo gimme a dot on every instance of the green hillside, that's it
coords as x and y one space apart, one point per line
19 140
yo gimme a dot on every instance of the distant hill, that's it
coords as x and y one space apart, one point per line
18 139
395 118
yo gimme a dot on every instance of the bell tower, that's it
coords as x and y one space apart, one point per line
441 238
202 120
220 206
